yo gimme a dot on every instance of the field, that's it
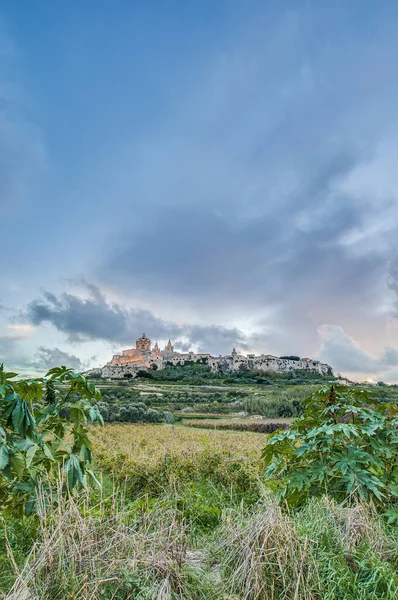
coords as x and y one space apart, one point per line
258 425
192 520
185 510
161 401
153 458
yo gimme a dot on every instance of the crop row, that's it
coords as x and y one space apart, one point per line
242 425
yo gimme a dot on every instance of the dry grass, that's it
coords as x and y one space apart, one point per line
105 551
86 549
153 458
324 552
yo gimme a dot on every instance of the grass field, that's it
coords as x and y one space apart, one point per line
185 513
151 458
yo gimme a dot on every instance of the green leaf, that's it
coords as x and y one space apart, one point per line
30 454
4 457
48 453
18 464
73 469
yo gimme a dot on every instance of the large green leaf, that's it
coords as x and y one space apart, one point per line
18 464
74 472
4 457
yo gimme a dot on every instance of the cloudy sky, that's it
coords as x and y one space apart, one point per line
215 172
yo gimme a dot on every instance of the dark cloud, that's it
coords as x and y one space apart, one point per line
93 318
79 318
47 358
207 258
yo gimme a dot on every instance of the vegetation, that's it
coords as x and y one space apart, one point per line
207 509
324 551
344 445
116 549
151 459
261 426
35 444
136 412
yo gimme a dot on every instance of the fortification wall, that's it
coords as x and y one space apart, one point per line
274 364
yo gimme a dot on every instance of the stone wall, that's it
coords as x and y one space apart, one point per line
231 363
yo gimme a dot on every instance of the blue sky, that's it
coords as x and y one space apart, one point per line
216 172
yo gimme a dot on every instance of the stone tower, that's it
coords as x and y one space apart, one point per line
169 347
143 344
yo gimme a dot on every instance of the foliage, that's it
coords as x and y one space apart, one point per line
344 445
35 445
136 412
50 396
277 402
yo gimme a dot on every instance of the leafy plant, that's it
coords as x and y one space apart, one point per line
34 445
344 444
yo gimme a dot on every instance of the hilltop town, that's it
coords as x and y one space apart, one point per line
143 357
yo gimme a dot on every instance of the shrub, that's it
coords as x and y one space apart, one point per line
345 444
34 446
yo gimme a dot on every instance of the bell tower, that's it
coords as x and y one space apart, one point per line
143 344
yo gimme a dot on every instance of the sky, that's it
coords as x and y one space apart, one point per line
218 173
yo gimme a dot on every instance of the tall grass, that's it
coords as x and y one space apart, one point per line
111 549
154 458
278 402
107 551
323 552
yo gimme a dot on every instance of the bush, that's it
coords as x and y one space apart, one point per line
344 445
34 446
137 412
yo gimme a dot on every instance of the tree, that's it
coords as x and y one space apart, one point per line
34 445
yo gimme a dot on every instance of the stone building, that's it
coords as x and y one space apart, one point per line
143 357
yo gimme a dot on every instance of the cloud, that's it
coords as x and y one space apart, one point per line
12 336
347 356
94 318
255 197
257 190
47 358
343 352
393 283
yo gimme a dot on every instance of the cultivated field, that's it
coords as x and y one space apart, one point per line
150 458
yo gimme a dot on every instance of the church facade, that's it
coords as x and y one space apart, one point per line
143 355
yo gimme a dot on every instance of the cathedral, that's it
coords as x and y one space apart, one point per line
143 353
